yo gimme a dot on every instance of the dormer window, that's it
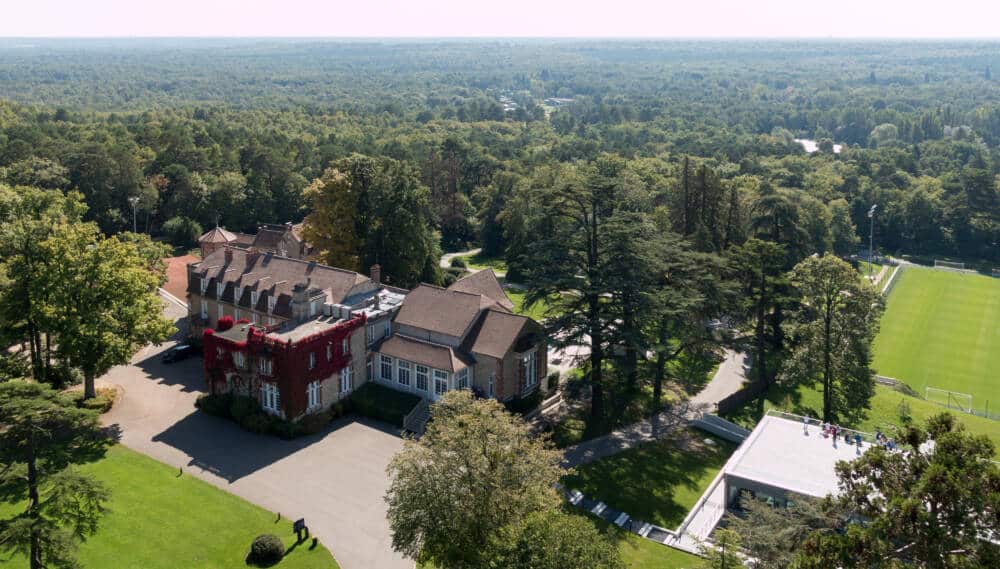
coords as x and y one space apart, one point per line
220 287
271 301
253 298
202 285
239 295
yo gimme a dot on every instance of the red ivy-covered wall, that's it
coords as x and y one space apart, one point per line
290 362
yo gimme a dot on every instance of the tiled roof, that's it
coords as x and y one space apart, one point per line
217 235
494 333
270 274
440 310
484 283
425 353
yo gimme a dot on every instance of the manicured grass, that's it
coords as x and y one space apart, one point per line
536 312
657 482
883 414
479 262
942 329
639 553
159 520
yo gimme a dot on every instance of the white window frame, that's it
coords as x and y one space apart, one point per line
240 360
254 297
370 334
422 373
440 375
202 285
220 287
265 366
385 363
270 397
346 379
530 360
345 345
387 328
204 308
271 302
238 292
403 369
462 379
253 317
312 360
314 395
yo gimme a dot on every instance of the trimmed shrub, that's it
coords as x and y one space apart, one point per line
266 550
553 381
315 422
382 403
242 407
524 405
260 423
458 263
215 404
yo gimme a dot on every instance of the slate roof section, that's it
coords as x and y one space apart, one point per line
444 311
270 274
425 353
484 283
495 333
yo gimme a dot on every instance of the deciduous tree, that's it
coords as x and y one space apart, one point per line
475 470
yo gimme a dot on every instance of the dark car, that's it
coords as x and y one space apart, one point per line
178 353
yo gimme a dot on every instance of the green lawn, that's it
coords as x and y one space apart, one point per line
158 519
479 262
883 414
656 482
942 329
640 553
536 312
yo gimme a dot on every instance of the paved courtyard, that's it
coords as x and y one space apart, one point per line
335 480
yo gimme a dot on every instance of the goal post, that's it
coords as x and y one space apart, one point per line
949 265
950 399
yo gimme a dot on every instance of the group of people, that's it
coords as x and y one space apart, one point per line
835 431
883 441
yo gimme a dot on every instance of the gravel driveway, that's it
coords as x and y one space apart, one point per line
335 480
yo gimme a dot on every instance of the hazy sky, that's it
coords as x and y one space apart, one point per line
536 18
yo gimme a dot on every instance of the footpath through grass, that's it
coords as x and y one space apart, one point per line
159 520
942 329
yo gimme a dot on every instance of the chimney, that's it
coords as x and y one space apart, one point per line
376 273
229 254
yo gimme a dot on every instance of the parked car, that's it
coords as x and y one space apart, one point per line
178 353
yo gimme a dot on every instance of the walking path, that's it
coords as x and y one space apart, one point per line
727 380
447 257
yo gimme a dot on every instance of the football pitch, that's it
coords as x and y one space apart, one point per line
942 329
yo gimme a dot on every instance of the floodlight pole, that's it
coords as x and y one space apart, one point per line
871 236
134 200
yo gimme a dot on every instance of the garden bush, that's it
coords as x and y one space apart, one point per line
315 422
101 403
266 550
243 406
458 263
382 404
215 404
259 422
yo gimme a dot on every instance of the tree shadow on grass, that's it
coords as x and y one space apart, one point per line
645 481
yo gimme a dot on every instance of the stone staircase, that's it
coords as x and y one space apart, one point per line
416 420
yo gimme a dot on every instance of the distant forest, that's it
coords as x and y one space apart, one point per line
236 132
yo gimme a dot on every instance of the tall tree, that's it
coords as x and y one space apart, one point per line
475 470
331 226
759 272
772 536
42 433
28 216
932 506
102 299
567 264
833 330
